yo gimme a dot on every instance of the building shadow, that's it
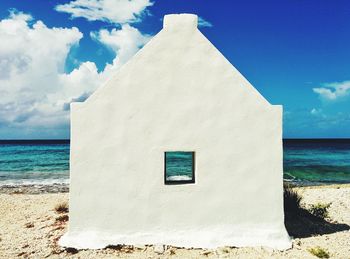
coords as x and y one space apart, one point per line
300 222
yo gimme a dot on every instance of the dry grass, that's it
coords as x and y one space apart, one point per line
62 207
304 222
29 225
63 218
292 200
17 192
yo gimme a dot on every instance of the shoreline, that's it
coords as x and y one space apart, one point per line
34 188
39 188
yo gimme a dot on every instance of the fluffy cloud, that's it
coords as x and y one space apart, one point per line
112 11
32 58
35 91
204 23
126 42
333 91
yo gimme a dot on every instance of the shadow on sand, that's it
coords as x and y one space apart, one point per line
305 224
300 222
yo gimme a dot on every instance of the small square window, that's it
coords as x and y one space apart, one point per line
179 167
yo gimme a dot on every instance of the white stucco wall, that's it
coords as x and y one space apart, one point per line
177 93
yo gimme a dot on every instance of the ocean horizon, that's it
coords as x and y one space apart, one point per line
46 161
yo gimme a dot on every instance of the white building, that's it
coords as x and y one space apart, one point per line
178 93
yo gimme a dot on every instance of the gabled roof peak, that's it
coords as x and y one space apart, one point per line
183 20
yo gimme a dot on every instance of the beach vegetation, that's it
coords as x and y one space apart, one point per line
319 252
320 210
62 207
19 191
62 218
292 200
301 220
22 254
29 225
71 250
115 247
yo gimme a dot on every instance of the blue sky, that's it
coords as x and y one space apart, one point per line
296 53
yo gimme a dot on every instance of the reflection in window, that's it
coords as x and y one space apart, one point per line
179 167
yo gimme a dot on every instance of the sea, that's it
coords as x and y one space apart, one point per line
46 162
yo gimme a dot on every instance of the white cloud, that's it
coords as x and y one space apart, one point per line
333 91
35 92
112 11
125 42
204 23
32 57
316 112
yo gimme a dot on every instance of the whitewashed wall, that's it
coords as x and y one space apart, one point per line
177 93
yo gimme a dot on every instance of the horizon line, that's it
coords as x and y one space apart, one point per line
68 139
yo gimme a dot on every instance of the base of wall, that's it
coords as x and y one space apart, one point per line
189 239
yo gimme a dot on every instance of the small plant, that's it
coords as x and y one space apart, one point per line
225 250
320 210
17 192
29 225
62 218
71 250
319 252
292 200
114 247
62 207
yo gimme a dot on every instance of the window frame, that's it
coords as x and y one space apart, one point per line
178 182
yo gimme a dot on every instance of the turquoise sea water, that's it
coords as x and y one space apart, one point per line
317 161
31 162
179 166
47 162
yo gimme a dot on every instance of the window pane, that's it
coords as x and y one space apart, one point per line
179 167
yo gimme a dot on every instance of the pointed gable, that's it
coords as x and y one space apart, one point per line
187 61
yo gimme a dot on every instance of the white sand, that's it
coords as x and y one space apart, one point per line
28 228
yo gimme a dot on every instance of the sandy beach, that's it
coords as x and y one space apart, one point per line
30 228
